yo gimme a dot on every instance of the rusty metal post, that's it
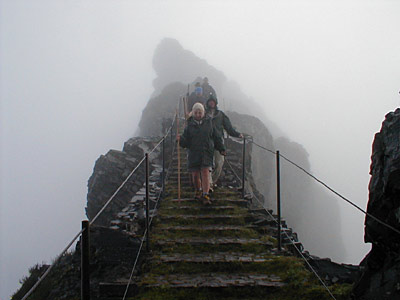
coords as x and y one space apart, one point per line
163 168
278 198
147 204
179 157
243 165
85 261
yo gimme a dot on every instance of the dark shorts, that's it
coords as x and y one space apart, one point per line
198 169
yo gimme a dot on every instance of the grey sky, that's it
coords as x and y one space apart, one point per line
75 76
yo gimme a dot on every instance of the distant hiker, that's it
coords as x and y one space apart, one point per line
196 96
208 89
201 138
220 122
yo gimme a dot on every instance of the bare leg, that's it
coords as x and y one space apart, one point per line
205 180
196 180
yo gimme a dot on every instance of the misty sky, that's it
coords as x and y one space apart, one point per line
75 75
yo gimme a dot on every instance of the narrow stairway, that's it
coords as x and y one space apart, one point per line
217 251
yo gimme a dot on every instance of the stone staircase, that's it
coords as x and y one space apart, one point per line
220 251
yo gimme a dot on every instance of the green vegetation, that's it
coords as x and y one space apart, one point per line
64 276
171 226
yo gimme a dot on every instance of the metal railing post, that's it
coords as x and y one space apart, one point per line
278 198
147 203
163 168
85 261
243 165
172 140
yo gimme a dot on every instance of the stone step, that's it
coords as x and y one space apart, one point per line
196 209
237 202
215 281
207 281
213 228
223 257
213 241
206 217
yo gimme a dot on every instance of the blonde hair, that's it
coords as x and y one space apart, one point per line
198 106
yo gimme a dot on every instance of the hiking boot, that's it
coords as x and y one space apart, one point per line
206 199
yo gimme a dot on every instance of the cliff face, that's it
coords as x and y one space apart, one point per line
381 275
109 172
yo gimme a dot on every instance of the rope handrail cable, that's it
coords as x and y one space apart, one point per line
266 149
152 216
289 238
229 163
130 174
297 249
116 192
331 189
33 288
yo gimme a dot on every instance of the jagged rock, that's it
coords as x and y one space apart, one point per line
172 63
109 173
333 272
381 267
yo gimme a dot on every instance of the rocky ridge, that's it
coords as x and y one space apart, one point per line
380 275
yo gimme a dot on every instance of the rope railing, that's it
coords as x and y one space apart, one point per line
146 231
297 249
329 188
45 274
288 237
151 220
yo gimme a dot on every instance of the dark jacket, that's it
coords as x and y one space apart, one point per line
221 122
200 140
208 90
194 98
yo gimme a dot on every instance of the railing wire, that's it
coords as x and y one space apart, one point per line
289 238
153 214
330 189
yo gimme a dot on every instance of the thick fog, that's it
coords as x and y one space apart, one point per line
75 76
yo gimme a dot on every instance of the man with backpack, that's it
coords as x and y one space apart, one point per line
220 122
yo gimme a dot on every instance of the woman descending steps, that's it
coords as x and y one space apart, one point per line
200 139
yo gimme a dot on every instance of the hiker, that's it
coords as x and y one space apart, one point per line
208 90
220 122
196 96
200 138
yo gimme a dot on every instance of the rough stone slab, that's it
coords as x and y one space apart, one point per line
207 227
242 203
215 258
213 241
210 207
217 281
202 217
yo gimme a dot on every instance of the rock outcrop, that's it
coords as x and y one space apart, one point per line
381 267
109 172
